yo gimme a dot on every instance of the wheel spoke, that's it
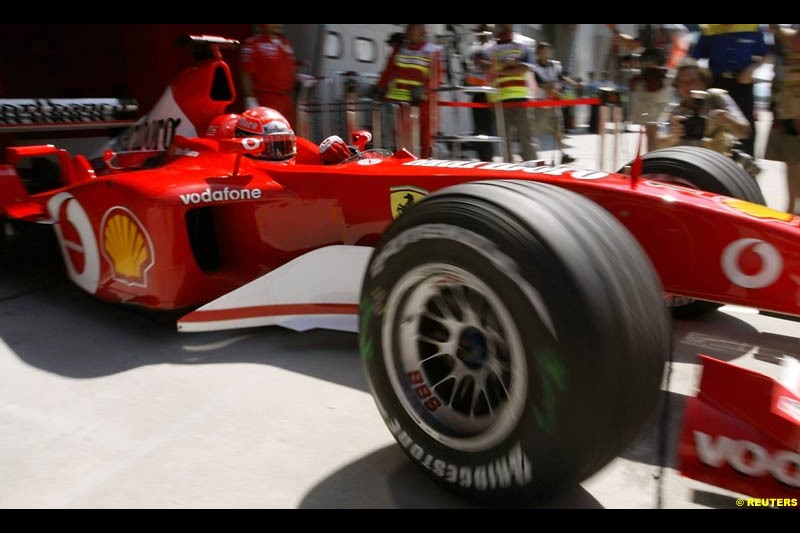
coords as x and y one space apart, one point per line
432 357
460 342
467 312
443 307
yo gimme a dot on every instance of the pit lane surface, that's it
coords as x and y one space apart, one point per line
102 407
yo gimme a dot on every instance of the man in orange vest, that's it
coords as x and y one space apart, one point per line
411 75
512 61
269 70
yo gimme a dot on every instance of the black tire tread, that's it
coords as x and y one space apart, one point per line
616 287
721 174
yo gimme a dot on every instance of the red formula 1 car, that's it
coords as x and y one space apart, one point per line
511 317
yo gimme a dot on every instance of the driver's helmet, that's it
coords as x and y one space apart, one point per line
266 123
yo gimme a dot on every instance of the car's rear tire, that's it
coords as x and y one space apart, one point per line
514 337
707 170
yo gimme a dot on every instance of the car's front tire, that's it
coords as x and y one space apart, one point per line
514 338
707 170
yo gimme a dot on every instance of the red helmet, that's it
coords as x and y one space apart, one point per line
333 150
264 122
223 127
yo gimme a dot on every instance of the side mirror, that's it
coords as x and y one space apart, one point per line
361 138
241 145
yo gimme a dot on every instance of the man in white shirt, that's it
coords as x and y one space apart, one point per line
550 78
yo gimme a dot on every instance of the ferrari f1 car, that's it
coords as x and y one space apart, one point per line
511 317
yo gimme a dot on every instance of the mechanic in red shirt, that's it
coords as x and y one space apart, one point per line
412 73
269 71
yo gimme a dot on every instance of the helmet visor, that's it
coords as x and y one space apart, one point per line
279 146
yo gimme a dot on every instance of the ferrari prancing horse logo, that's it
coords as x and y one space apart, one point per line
404 196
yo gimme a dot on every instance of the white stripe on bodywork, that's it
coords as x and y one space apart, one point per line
329 275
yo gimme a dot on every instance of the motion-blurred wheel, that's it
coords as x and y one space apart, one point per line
514 337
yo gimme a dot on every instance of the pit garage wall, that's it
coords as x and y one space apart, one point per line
138 60
99 60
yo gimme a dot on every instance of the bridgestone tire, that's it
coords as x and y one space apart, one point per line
514 338
706 170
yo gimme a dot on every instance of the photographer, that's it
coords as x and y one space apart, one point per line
704 116
783 143
659 48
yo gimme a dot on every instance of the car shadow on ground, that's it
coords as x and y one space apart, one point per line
387 479
725 336
52 325
657 443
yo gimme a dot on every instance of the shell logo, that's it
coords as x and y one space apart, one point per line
126 246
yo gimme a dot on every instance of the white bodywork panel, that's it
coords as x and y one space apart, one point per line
320 289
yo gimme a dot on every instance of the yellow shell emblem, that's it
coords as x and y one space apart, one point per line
127 247
756 210
403 197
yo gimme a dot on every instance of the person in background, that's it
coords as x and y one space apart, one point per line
478 75
512 63
411 75
269 71
592 90
734 51
666 44
722 121
783 143
660 48
395 41
550 79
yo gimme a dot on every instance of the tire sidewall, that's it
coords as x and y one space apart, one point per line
549 424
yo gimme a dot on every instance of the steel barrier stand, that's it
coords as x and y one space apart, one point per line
602 116
377 124
412 112
617 116
457 139
610 107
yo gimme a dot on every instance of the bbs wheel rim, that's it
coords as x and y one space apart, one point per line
454 357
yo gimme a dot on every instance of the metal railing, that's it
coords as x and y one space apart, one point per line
338 105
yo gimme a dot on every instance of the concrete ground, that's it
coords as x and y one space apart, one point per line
103 407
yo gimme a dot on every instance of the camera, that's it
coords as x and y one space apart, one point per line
609 96
694 125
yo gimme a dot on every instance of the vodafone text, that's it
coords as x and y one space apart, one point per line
748 458
209 196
